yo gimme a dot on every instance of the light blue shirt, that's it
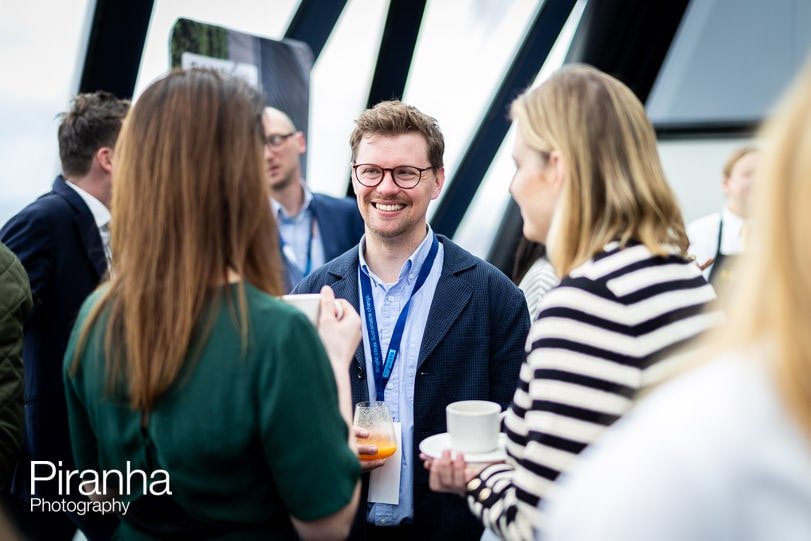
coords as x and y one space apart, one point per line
297 230
399 393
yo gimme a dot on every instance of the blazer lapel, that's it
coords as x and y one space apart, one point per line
345 286
85 226
450 298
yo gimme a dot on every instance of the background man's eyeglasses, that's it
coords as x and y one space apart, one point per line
275 140
404 176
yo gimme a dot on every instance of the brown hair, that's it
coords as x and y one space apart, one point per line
190 203
92 122
734 157
396 118
615 187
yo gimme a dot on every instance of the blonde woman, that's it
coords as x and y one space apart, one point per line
185 366
723 452
590 186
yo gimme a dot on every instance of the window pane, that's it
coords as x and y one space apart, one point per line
480 224
463 50
729 60
339 88
39 49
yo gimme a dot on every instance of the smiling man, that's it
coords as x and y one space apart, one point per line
439 325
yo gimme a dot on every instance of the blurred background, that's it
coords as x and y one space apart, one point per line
707 70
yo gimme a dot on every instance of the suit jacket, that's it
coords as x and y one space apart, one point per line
472 348
340 226
58 243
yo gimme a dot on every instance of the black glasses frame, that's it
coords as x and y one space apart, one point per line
391 172
275 140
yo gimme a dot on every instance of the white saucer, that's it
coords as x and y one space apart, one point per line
434 445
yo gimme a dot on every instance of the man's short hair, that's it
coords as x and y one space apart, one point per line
389 118
93 121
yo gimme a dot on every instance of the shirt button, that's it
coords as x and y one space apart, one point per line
474 483
484 494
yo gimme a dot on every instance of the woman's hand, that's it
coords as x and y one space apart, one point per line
450 474
339 328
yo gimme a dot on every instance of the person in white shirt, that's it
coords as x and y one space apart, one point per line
723 452
717 238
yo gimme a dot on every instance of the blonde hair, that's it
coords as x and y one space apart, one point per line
773 304
190 203
615 187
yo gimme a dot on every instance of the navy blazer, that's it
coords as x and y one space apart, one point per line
58 243
340 226
472 349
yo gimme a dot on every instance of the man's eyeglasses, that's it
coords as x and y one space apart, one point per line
275 140
404 176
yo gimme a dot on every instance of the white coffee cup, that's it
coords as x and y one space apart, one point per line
309 303
473 425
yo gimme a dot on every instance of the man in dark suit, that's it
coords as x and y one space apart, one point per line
313 228
439 325
62 240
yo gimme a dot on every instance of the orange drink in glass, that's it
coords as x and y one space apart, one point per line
376 419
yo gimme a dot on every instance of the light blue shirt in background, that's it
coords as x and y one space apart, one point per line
296 233
389 300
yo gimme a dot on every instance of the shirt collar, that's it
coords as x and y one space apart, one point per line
731 220
101 214
278 209
412 265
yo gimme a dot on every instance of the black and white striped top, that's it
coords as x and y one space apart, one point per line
612 327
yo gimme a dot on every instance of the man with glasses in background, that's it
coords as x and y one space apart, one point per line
313 228
439 325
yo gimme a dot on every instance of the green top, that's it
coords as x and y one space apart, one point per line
247 439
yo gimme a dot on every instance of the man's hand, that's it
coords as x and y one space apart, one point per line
706 264
366 465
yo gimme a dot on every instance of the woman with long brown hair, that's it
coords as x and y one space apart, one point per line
185 364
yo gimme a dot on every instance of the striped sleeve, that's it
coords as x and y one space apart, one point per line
600 337
539 279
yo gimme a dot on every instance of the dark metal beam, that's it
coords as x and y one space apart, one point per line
396 50
114 49
474 164
628 39
313 23
705 130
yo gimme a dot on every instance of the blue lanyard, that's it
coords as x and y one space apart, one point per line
382 371
308 265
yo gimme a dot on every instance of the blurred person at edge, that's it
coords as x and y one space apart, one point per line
723 452
313 228
717 239
590 186
15 305
63 241
186 361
